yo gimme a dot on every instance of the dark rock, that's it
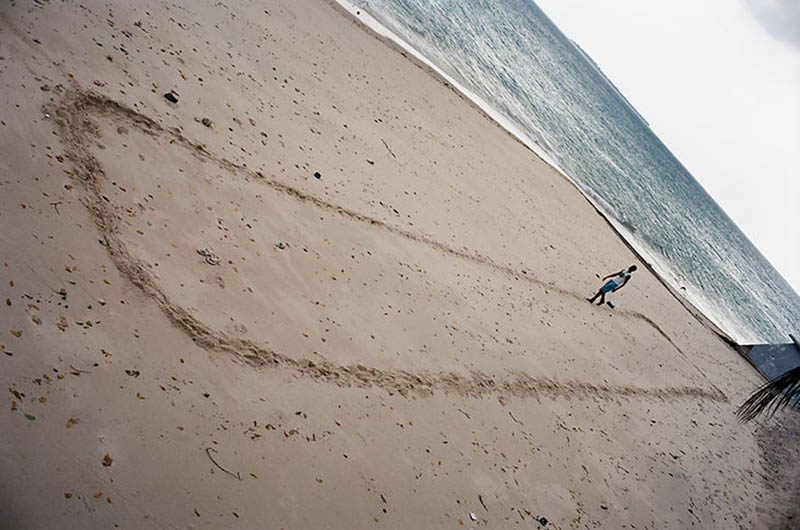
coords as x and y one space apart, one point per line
171 97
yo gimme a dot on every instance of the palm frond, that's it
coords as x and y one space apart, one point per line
775 395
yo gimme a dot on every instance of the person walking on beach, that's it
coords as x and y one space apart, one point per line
616 281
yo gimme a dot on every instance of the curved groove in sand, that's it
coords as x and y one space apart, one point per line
76 131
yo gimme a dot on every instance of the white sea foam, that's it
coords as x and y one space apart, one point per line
368 20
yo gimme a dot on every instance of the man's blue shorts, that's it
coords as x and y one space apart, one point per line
609 286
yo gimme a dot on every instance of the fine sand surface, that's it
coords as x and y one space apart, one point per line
401 343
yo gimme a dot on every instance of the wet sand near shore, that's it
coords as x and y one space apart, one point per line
316 288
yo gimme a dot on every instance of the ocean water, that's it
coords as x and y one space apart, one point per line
514 62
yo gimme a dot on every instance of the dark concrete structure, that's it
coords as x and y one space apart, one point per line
773 360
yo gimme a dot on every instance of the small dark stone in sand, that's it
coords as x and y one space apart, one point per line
170 96
317 175
206 122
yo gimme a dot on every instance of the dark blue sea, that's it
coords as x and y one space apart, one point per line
514 62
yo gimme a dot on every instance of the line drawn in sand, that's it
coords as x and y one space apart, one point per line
77 130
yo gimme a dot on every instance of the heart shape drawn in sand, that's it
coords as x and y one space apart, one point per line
136 260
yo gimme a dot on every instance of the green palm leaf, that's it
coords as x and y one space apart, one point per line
775 395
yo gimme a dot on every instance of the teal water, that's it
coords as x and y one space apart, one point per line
511 56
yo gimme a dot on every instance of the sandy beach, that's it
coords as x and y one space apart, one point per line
315 287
